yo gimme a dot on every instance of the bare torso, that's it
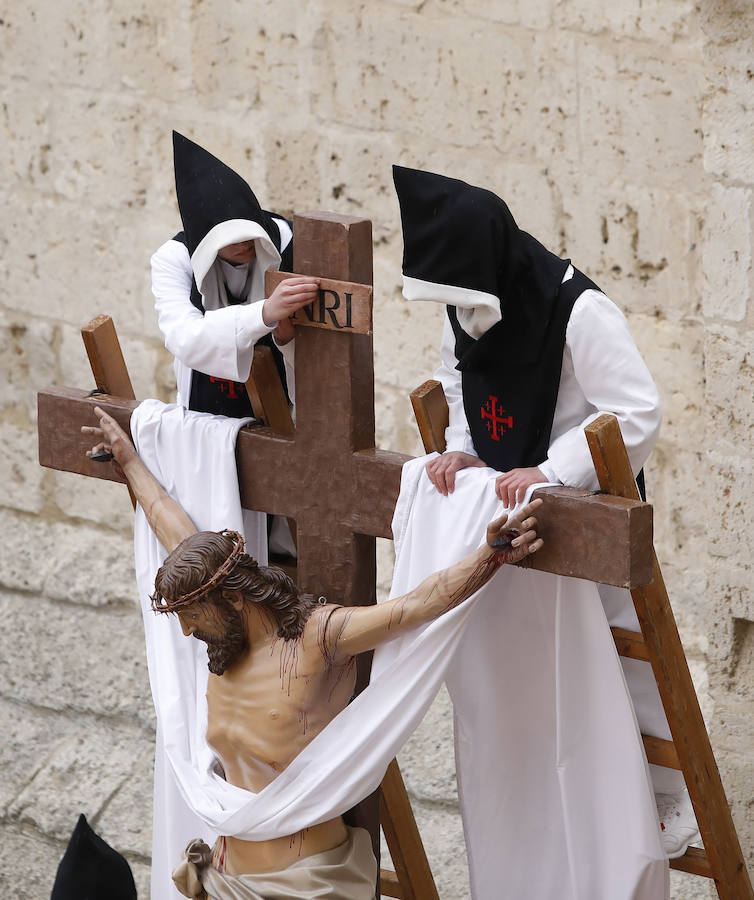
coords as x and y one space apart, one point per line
261 713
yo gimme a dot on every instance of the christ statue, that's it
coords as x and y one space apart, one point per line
282 666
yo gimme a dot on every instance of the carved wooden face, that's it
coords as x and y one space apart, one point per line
217 622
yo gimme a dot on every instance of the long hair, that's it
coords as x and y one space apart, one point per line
196 559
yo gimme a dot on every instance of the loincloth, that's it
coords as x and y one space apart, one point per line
347 872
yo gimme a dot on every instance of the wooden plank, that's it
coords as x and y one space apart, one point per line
404 842
266 392
389 885
630 644
341 306
660 752
431 411
690 738
106 358
594 536
694 861
567 519
60 414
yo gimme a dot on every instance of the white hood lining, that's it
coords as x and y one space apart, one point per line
233 231
477 310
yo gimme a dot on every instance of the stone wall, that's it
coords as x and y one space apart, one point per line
619 133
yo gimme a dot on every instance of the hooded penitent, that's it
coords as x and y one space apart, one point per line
219 208
507 304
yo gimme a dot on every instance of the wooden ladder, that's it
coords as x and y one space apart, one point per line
659 644
412 878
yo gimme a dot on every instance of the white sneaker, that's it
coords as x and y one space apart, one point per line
678 826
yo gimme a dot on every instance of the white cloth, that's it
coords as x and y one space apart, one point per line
220 342
551 771
345 762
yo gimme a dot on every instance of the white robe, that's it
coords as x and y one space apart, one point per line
602 371
552 776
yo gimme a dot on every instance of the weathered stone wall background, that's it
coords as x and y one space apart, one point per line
620 133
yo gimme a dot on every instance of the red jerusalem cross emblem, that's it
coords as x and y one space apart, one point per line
496 423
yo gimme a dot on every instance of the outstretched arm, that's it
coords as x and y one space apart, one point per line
352 630
166 518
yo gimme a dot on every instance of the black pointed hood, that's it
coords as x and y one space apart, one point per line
209 192
91 869
218 208
462 246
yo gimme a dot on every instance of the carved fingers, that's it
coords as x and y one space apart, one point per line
110 437
517 537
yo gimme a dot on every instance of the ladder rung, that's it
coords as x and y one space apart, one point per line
694 861
630 643
389 885
661 752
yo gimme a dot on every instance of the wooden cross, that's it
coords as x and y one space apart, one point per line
327 474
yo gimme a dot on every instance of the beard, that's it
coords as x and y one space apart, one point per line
226 649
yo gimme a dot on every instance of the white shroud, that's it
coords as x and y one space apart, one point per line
192 455
552 777
555 793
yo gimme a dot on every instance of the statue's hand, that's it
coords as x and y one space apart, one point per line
515 538
110 438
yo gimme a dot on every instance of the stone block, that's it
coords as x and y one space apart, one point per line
85 45
29 861
59 284
537 14
638 113
261 44
371 192
729 373
126 821
620 236
726 253
726 118
666 23
90 567
23 479
729 491
27 359
424 51
67 561
64 657
80 776
94 500
20 567
31 737
293 170
673 351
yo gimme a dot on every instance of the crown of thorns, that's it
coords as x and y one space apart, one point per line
159 602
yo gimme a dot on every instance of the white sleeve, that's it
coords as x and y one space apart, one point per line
614 379
457 434
220 342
